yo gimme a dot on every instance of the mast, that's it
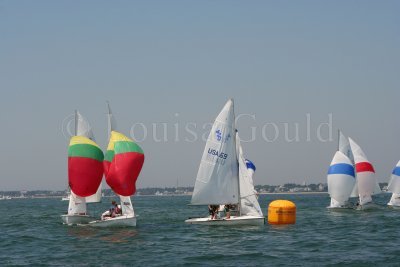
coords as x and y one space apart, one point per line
237 159
338 144
110 120
76 122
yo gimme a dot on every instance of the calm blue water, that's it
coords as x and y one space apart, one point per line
32 234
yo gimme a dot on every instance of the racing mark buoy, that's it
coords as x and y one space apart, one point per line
281 212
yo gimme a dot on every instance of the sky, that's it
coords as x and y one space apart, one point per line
174 64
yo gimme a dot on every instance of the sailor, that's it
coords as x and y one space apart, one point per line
228 209
115 210
213 211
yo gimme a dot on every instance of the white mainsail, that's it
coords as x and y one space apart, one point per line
366 183
217 180
77 204
344 146
95 198
248 195
82 126
394 186
341 179
126 206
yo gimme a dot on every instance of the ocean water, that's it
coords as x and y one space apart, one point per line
31 233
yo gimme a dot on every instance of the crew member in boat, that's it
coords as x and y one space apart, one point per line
115 209
228 209
213 210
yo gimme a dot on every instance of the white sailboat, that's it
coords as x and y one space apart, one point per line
84 173
394 187
366 183
224 176
122 165
67 197
341 181
341 175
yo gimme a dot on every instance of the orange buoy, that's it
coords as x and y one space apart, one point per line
281 212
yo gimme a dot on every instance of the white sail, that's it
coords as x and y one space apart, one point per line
354 193
341 179
82 126
95 198
248 195
217 180
394 184
394 200
366 181
77 205
344 146
112 123
126 206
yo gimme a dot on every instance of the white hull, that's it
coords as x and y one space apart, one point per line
339 208
336 205
393 206
76 219
368 206
234 220
119 221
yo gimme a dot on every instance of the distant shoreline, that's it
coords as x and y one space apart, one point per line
179 195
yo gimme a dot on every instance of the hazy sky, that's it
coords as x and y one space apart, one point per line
177 62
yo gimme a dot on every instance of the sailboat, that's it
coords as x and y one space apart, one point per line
341 175
122 165
225 177
68 196
85 172
394 187
366 183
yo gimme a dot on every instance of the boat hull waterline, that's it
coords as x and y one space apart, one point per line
76 219
393 206
368 206
233 220
340 208
120 221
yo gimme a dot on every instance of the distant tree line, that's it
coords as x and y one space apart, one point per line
289 187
